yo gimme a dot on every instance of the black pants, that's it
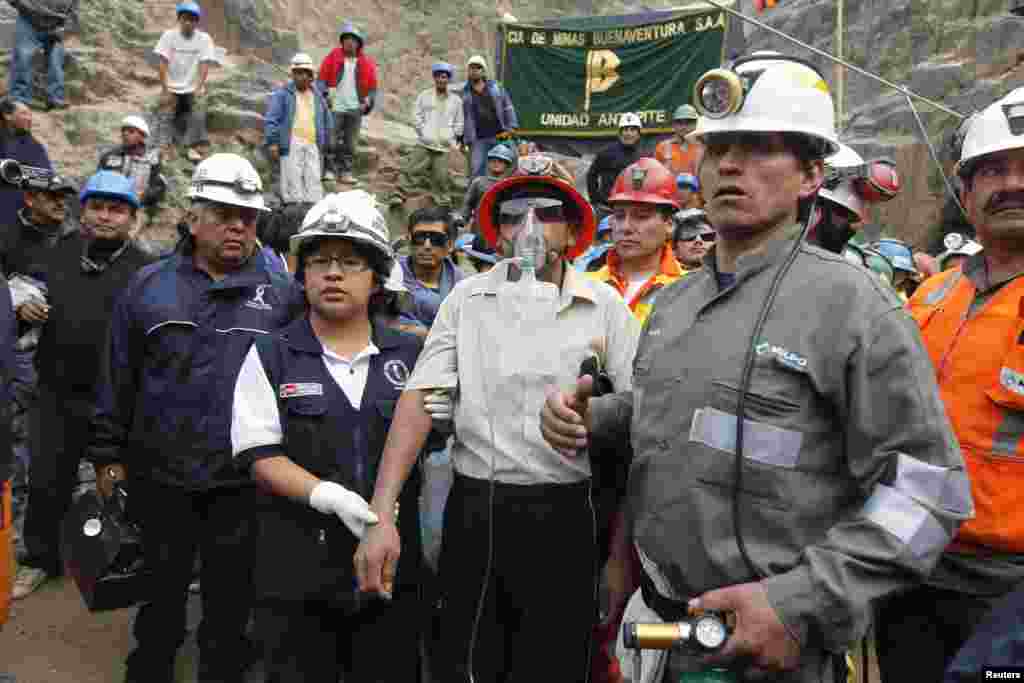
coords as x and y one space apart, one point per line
176 525
59 430
920 631
346 130
540 601
316 642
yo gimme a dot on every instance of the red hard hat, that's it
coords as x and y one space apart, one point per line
645 181
531 180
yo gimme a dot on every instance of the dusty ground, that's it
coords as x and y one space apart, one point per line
52 638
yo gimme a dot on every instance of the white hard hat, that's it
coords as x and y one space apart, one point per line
136 122
227 179
766 94
630 120
478 60
844 193
957 245
302 61
999 127
351 215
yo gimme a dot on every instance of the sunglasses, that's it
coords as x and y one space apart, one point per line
436 239
544 214
704 237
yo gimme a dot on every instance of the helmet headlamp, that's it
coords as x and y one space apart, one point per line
719 93
874 181
536 164
1014 113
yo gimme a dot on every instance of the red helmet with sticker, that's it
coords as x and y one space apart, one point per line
535 177
645 181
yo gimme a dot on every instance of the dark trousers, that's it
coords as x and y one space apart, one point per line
59 431
346 131
317 642
176 525
920 631
540 602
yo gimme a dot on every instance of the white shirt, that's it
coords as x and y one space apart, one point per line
183 57
346 97
256 420
438 120
467 348
636 282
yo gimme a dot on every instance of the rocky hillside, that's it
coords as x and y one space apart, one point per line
960 52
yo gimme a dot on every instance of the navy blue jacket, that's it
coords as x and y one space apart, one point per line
506 111
177 342
8 327
27 150
307 555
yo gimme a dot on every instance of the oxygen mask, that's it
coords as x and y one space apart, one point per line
528 306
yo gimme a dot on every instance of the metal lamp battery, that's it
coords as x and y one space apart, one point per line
705 633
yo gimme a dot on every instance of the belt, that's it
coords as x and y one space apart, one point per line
668 609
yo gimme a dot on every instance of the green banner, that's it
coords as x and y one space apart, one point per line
576 83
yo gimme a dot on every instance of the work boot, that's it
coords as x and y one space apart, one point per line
27 581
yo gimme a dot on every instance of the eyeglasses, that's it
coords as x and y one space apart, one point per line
347 265
436 239
704 237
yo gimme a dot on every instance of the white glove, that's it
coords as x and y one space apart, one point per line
334 499
438 404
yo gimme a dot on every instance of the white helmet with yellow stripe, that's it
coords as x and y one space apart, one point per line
766 93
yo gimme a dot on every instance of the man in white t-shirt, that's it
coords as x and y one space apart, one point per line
185 55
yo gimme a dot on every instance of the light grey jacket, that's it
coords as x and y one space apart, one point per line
853 482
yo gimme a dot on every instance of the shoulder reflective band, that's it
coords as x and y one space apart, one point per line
906 519
942 487
762 442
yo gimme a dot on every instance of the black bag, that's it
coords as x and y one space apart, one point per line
103 553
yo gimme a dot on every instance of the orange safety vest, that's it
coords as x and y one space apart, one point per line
673 157
668 272
979 364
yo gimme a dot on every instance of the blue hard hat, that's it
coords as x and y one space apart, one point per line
605 225
443 66
688 182
502 152
188 7
350 29
111 185
476 247
897 253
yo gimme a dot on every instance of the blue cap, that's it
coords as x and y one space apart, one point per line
502 151
605 225
686 181
897 253
443 66
110 185
188 8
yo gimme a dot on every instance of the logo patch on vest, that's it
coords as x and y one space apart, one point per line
257 301
294 390
397 372
787 358
1012 381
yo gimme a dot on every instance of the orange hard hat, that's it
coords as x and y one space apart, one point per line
645 181
533 178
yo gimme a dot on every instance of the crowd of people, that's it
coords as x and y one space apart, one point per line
477 452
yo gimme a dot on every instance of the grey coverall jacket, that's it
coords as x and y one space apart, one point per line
853 482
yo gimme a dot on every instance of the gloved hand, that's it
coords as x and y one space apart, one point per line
438 404
331 498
